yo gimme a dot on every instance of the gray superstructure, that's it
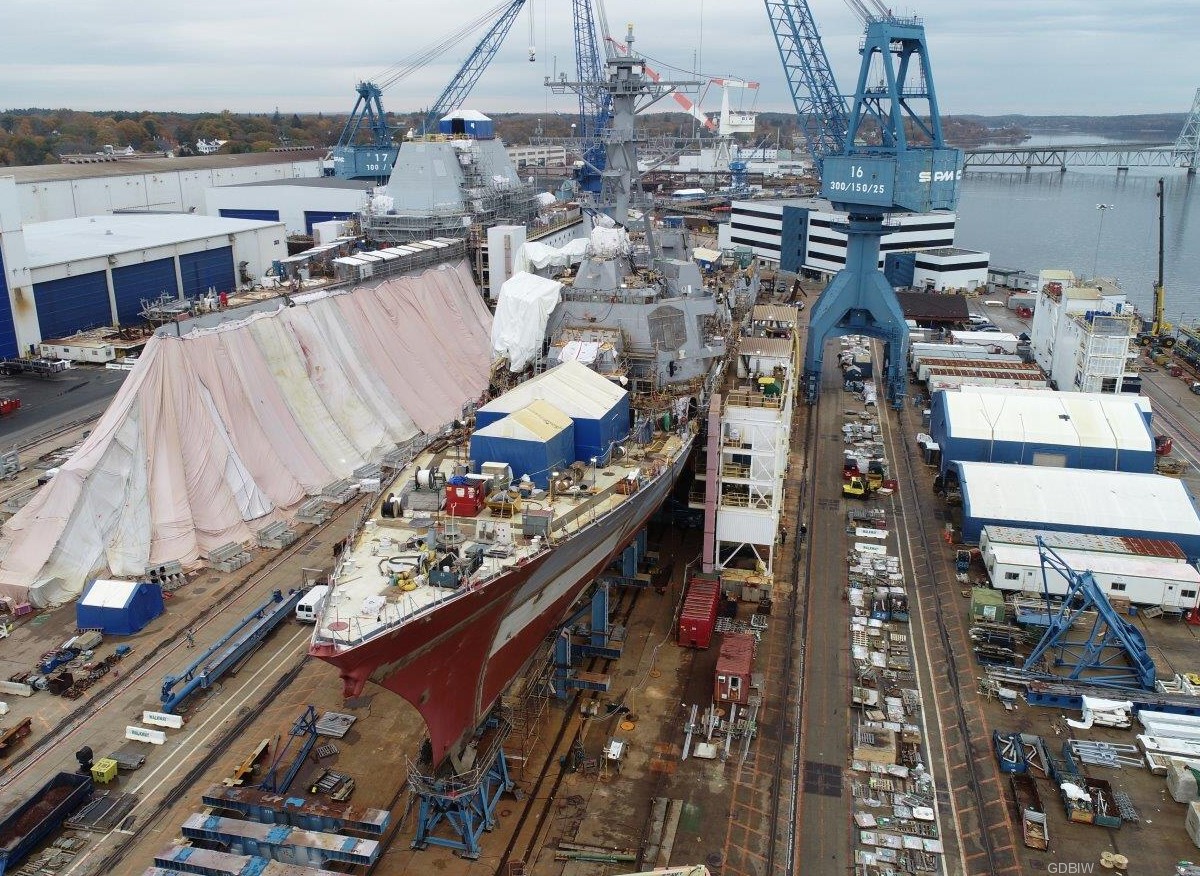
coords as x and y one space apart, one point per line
447 185
637 293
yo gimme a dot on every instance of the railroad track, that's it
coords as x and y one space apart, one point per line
77 720
785 792
969 782
550 777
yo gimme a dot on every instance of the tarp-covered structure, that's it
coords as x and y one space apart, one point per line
539 256
220 432
534 441
1078 500
1065 429
118 608
597 406
522 313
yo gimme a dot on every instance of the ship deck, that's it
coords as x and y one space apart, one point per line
387 574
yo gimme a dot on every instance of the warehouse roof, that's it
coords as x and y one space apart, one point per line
1066 419
1141 402
937 307
88 237
51 172
1073 497
317 182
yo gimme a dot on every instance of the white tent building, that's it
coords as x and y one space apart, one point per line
222 431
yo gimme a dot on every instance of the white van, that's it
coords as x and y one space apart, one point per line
993 302
311 603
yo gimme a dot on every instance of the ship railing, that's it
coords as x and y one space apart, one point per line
387 621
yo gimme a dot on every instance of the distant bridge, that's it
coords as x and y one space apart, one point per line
1120 156
1184 152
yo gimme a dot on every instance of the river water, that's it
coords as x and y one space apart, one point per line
1047 219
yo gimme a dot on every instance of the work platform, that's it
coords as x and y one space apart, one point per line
298 811
290 845
206 862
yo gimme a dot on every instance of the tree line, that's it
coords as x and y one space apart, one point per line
44 136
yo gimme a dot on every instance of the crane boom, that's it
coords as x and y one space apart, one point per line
595 103
820 109
464 80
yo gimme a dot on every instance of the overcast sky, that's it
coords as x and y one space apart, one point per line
1037 57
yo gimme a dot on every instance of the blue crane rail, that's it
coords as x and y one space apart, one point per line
229 650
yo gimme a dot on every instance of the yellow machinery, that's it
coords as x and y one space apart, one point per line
104 771
1159 334
858 487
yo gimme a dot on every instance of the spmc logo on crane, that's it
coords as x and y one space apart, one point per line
939 176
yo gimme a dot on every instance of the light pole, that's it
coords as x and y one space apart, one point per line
595 462
1103 208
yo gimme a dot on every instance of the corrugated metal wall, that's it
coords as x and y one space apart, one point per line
71 304
8 331
148 281
211 268
312 216
793 239
264 215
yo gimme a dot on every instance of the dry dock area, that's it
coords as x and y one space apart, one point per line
785 797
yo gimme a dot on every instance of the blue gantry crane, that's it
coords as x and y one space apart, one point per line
595 104
891 158
820 109
1112 653
366 147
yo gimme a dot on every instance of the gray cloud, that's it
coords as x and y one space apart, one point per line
1085 57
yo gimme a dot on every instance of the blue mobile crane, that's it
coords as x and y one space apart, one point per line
373 159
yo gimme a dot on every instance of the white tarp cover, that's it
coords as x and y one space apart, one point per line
537 256
218 433
608 243
522 312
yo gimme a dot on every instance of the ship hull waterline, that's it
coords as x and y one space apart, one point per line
453 664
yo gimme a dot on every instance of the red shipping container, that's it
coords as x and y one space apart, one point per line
734 663
699 614
464 500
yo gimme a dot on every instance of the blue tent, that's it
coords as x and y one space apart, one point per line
118 608
534 441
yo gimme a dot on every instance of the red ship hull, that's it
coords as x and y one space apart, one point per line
453 664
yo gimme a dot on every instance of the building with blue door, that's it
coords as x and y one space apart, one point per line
101 270
1041 428
1077 500
297 203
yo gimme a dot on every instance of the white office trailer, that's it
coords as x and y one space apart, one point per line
1148 572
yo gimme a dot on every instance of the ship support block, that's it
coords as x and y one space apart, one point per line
464 804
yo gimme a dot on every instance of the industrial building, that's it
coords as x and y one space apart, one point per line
802 234
46 192
1076 500
297 203
1142 571
97 271
1084 337
946 268
1056 429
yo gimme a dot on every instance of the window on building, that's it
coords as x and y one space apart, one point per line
1187 594
1118 586
1012 576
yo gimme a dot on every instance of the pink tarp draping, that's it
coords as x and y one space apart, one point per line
220 432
